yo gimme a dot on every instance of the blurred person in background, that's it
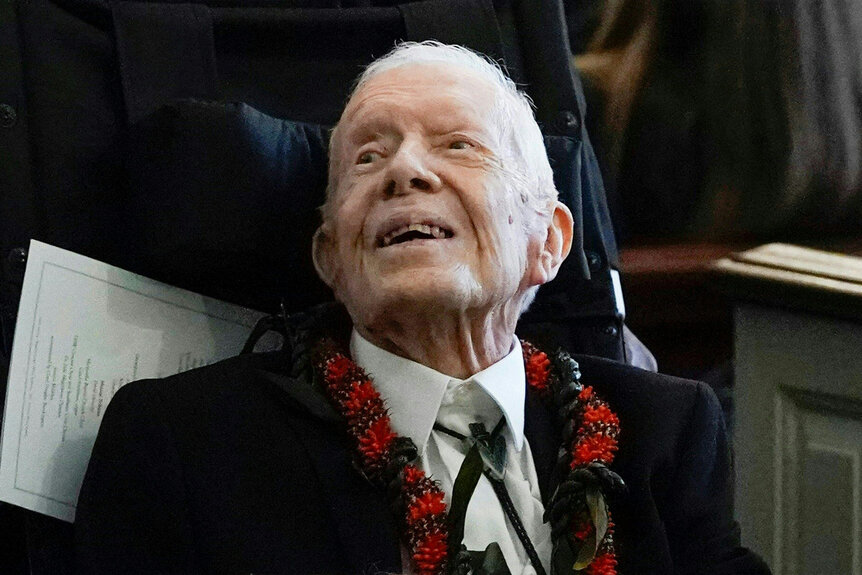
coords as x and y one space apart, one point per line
732 120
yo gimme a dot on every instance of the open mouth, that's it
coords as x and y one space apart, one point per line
411 232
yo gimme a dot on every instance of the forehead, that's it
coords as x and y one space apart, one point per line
439 93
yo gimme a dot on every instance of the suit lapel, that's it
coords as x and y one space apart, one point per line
364 524
544 441
363 519
302 395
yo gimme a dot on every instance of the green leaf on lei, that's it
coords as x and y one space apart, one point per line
599 516
489 562
598 512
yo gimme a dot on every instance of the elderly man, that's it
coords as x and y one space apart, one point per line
415 432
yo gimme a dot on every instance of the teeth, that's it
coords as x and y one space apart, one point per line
434 231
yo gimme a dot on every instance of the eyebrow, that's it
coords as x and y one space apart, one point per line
366 133
378 128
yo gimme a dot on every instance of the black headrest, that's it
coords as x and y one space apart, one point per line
224 200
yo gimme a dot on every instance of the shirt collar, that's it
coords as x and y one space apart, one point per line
506 383
413 392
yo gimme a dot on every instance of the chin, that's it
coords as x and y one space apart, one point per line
388 298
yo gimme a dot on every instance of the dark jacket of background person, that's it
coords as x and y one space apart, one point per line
243 467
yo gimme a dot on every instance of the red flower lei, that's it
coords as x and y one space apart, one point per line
594 441
425 531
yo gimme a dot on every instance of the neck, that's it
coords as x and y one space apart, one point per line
459 345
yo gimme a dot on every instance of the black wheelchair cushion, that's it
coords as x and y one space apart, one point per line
224 200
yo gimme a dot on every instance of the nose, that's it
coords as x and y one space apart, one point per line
410 170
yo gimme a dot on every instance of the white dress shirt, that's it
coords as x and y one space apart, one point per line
417 396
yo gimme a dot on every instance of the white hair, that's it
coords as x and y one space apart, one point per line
524 165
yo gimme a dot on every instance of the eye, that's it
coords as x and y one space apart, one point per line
460 145
368 157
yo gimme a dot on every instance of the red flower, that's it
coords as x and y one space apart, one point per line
429 503
412 475
361 394
603 564
376 439
600 413
430 553
583 529
537 367
594 448
339 366
586 393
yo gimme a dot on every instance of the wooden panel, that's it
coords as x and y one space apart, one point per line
818 509
827 532
798 439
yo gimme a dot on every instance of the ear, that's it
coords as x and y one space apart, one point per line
558 243
322 253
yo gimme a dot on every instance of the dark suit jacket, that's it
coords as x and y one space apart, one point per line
237 467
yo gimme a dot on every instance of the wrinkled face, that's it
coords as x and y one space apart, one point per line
421 215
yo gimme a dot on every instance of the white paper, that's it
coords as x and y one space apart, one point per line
84 330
